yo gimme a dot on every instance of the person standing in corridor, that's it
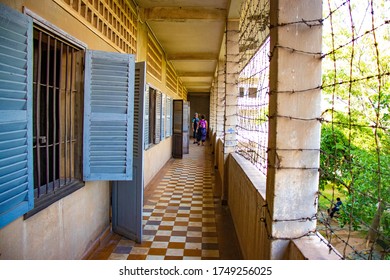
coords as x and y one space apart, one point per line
195 121
202 130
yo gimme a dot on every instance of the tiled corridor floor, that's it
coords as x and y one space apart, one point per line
182 219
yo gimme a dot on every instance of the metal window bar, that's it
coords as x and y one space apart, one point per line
65 93
60 113
37 89
47 111
54 116
55 97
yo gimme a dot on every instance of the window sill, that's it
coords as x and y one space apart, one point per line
46 200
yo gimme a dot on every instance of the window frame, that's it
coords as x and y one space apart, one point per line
158 116
56 194
168 124
152 115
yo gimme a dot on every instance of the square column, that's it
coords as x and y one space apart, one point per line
212 118
294 122
231 88
220 100
231 96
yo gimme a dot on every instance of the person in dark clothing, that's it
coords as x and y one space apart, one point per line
202 130
195 121
336 207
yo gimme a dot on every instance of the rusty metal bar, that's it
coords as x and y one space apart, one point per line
37 116
72 72
60 115
54 116
66 115
54 127
47 113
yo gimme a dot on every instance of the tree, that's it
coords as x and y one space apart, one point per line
355 139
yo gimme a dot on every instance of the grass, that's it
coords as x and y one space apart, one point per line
328 195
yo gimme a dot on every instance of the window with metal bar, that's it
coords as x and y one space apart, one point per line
57 118
152 115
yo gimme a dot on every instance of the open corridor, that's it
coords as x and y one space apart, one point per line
181 217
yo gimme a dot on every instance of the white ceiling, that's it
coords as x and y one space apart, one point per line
191 33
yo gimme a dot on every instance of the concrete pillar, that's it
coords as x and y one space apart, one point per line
212 117
231 88
219 125
294 128
231 96
220 100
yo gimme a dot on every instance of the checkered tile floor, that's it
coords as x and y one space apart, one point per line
179 215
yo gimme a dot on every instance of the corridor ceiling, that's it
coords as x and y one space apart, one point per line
191 32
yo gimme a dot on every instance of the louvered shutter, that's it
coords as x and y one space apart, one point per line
127 196
16 157
168 130
157 135
108 116
171 121
163 115
146 117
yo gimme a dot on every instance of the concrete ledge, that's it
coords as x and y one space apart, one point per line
247 192
252 173
246 197
312 248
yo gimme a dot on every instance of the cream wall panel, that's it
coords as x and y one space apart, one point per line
64 230
155 158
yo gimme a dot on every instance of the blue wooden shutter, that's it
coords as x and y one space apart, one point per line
163 115
146 117
157 136
108 116
171 119
168 130
16 157
127 196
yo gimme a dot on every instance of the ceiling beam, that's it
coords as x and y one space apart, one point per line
199 90
199 93
183 14
193 56
197 85
195 74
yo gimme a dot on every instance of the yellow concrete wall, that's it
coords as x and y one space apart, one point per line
64 230
67 228
155 158
143 32
56 15
246 197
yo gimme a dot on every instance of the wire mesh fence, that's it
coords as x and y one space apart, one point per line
355 138
252 128
355 154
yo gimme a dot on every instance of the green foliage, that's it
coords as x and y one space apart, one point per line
334 157
355 137
385 223
351 167
355 140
